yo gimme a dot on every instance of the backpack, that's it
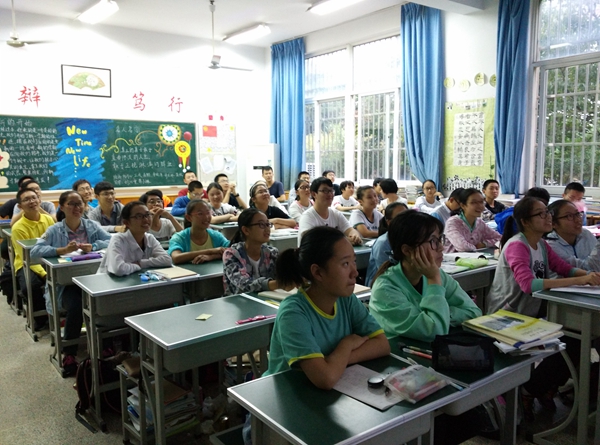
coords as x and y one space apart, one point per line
6 284
83 386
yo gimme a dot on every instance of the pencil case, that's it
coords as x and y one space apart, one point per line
462 351
87 256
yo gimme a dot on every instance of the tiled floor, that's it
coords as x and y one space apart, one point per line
37 406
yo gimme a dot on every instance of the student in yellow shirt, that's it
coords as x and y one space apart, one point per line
32 224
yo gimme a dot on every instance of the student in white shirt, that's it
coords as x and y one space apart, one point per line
134 249
345 202
321 214
221 212
366 219
428 203
303 201
305 176
448 208
164 225
389 191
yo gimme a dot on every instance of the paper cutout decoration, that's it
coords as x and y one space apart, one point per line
449 82
479 79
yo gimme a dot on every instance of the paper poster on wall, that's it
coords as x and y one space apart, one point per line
469 144
217 149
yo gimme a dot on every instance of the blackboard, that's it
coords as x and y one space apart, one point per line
59 151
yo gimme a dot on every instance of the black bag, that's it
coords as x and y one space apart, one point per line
463 351
6 284
83 386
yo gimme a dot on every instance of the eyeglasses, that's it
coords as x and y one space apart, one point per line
107 194
196 195
262 225
326 191
543 214
436 243
141 216
75 204
84 189
30 199
304 187
571 216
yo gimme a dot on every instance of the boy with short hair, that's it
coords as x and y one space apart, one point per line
46 207
84 188
275 187
491 188
195 191
575 192
188 177
346 201
163 225
231 197
108 212
330 174
32 224
449 207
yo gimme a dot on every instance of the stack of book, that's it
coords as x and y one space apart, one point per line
181 409
518 334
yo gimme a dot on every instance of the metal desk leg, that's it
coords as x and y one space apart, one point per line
15 302
29 327
509 431
55 333
584 376
159 419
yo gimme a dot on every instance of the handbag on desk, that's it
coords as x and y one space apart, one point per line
463 351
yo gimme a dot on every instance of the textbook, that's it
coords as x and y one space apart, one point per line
170 273
280 294
514 329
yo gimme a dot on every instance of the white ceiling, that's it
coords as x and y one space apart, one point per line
286 18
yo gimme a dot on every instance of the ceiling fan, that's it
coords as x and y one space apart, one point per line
215 62
14 40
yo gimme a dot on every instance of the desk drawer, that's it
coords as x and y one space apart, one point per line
64 276
138 302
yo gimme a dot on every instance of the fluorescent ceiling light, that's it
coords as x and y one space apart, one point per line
326 6
248 34
100 11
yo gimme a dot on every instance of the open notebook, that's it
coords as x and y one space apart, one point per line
171 273
280 294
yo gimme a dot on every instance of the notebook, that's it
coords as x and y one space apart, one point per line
171 273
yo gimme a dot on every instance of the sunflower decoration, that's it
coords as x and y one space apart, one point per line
169 134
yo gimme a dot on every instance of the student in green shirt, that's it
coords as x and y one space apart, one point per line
411 295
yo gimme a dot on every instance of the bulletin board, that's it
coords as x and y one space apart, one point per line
59 151
217 149
469 158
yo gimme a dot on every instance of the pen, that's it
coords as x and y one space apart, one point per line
424 351
417 353
457 386
257 318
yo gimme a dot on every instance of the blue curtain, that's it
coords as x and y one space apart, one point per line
287 107
422 95
511 91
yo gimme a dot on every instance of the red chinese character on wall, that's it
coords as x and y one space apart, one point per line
176 105
139 105
29 95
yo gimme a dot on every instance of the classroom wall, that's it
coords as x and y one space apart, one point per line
161 66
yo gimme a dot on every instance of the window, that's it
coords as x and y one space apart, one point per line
354 127
568 62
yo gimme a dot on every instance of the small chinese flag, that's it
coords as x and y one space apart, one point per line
209 131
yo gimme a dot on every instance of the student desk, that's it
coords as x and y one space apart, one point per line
477 280
226 229
62 274
107 300
509 372
284 239
174 341
363 253
6 235
287 408
209 283
27 245
580 316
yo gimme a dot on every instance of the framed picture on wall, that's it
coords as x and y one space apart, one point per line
86 81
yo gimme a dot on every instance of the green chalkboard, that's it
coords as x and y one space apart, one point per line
59 151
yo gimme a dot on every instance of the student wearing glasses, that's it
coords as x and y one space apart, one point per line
69 234
303 201
45 207
134 249
195 191
569 239
321 214
524 267
249 264
84 188
467 232
197 243
304 175
260 198
411 295
163 225
108 212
